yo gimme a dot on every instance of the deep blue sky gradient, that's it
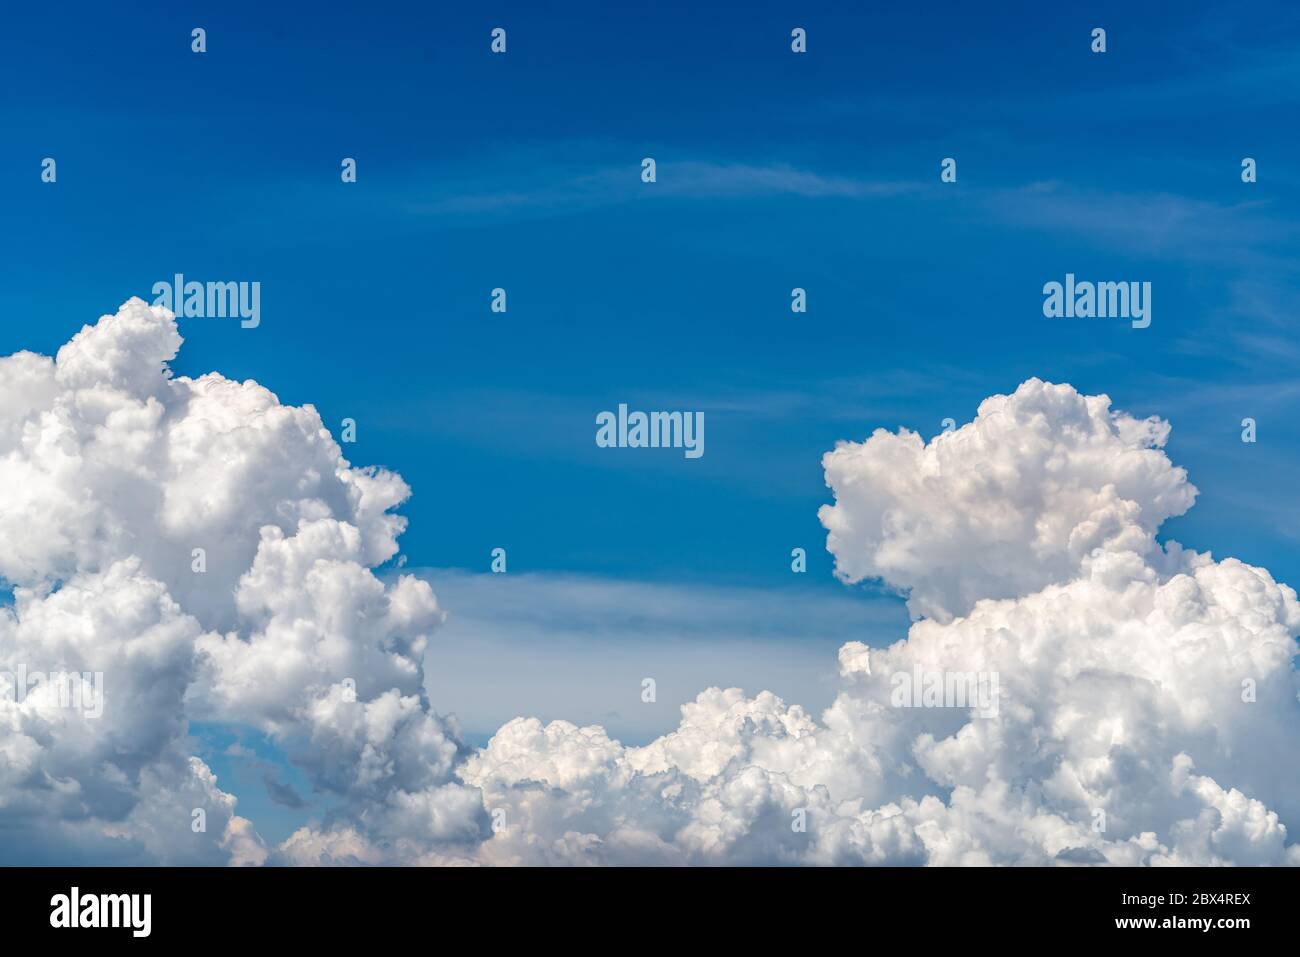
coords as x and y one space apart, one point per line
522 171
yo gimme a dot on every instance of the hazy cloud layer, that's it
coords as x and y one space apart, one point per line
578 647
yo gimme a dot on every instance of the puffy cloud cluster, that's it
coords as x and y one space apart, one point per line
115 473
1139 700
1015 500
1144 704
107 764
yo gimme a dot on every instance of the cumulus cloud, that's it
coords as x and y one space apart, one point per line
211 553
1145 700
108 764
1131 702
1017 499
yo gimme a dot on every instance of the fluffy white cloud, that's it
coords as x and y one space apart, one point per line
115 472
1015 500
1134 703
1145 698
93 752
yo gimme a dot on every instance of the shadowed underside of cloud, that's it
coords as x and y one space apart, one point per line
1145 708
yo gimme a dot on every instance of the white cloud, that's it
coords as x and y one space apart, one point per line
1140 686
1015 500
1028 536
115 472
77 777
1108 683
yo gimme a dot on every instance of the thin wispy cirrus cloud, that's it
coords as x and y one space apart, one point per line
1161 226
550 189
1246 241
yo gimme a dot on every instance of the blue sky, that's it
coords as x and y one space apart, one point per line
774 171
